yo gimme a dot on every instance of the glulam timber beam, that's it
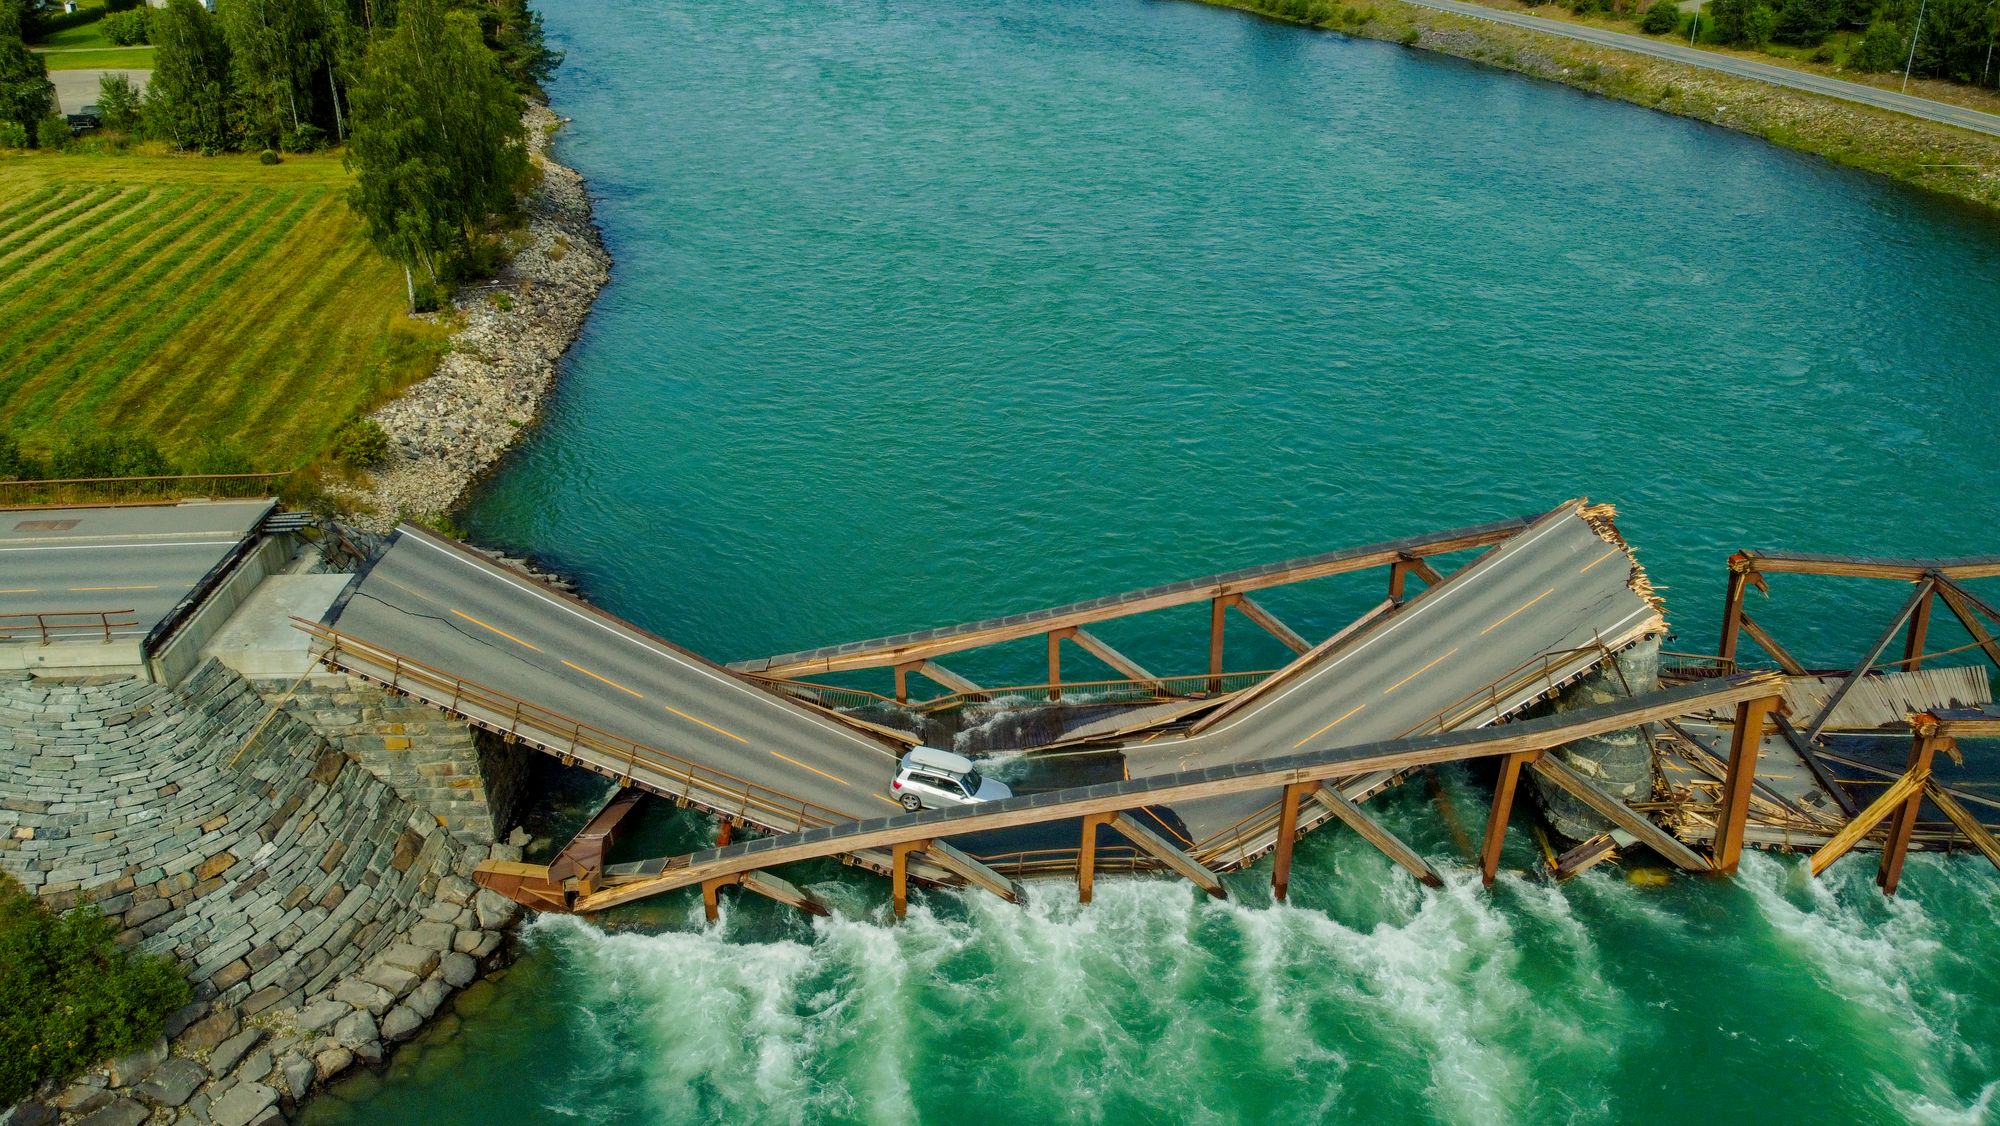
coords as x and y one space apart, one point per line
764 884
636 881
1966 609
1732 608
1864 567
1770 645
1619 814
1924 744
1874 654
1218 619
972 871
1372 831
1503 808
1270 624
947 677
1086 856
926 644
1978 834
1862 823
1160 849
1288 835
1920 627
1097 647
1738 780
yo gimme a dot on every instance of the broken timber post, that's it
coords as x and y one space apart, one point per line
1620 814
1732 608
1218 616
1923 747
1086 857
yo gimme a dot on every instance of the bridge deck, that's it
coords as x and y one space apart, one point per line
1507 629
433 601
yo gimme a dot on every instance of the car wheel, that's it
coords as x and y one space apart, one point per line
912 803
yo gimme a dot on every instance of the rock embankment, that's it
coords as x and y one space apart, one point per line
448 429
320 916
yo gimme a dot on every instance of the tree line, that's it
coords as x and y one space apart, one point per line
1954 40
426 95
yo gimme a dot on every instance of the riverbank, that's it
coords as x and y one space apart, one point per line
1938 158
447 430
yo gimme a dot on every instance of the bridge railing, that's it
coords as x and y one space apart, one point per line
1127 691
136 490
64 625
626 760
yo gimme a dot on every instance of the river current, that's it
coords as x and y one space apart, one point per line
926 310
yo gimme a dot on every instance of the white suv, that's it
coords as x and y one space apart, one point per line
931 778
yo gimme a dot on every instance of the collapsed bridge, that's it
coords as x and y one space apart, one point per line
1545 601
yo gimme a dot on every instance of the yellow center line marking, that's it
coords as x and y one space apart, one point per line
19 590
1421 671
815 770
1517 610
147 586
712 727
1598 560
1328 727
879 797
605 679
498 630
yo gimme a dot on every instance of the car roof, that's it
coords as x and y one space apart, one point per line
934 759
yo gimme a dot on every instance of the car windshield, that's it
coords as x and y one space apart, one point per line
971 781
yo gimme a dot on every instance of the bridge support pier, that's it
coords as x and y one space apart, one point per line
1503 807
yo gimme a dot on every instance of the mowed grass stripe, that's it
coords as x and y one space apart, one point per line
77 269
282 306
296 392
52 264
54 224
109 357
20 212
99 278
96 372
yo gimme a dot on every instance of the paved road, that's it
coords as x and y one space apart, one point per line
1925 108
76 89
454 611
1551 591
143 559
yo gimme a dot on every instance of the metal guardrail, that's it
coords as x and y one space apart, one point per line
626 760
20 627
136 490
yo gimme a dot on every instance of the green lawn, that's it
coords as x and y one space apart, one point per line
97 58
193 299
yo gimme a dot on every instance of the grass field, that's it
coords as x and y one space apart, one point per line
97 58
195 300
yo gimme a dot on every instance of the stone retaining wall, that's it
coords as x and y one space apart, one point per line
319 915
468 780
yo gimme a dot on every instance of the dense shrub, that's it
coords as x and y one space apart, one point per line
70 997
360 443
127 29
12 136
107 453
117 102
17 464
1661 18
1806 23
51 132
1879 50
306 138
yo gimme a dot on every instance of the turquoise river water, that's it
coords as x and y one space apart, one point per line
926 310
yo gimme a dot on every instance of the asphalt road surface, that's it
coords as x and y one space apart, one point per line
1555 589
143 559
453 611
1925 108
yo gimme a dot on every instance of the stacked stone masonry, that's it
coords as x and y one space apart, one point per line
320 916
466 779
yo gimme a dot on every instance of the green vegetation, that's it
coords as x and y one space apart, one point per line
99 58
438 142
1951 162
70 996
198 302
360 444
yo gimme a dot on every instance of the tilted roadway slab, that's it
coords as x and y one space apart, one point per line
435 602
141 558
1500 632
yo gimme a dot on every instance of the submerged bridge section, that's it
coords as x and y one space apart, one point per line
1548 600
